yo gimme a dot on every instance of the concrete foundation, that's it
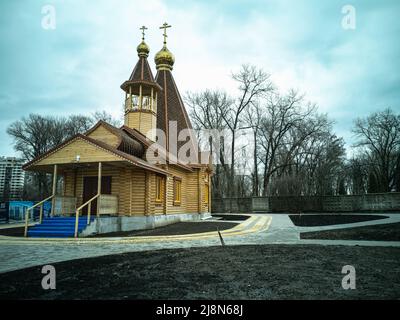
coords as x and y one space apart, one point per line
109 224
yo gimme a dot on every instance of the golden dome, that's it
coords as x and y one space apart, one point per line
143 49
164 59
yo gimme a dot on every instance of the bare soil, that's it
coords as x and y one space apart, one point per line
314 220
231 217
12 232
180 228
382 232
232 272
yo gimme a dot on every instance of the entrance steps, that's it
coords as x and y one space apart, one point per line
58 227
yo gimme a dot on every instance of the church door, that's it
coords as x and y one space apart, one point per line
90 190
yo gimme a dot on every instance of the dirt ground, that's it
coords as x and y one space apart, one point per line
316 220
12 232
231 217
237 272
179 228
382 232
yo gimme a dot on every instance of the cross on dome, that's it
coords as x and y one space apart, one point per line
165 26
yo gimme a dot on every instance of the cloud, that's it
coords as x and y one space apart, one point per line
79 67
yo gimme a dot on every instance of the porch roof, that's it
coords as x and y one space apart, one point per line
110 155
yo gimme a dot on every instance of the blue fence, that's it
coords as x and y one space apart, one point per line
4 212
15 210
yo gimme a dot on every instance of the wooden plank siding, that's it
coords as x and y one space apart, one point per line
142 121
136 189
126 183
104 135
86 151
171 208
153 207
190 191
192 197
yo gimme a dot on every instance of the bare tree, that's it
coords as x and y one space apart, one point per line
379 139
253 118
295 151
253 83
33 136
36 134
207 110
107 117
282 114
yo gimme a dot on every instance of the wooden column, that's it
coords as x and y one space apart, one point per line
99 190
75 180
53 200
152 100
140 107
209 192
146 192
130 101
130 192
155 103
140 97
166 194
200 191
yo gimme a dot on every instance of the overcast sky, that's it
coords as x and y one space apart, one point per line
78 66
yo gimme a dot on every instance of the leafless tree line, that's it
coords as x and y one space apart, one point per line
295 149
376 168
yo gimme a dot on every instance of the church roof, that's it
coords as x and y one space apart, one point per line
102 145
125 143
141 74
142 71
170 106
147 142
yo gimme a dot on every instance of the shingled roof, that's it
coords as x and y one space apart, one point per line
141 75
142 71
123 155
126 143
170 106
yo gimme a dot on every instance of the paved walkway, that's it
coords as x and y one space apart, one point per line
17 253
283 231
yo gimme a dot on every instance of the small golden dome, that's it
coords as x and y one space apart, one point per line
143 49
164 59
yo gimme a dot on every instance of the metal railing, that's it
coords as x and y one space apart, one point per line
89 204
40 215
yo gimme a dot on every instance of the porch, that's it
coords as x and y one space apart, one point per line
95 200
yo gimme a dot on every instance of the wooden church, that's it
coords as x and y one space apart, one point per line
111 172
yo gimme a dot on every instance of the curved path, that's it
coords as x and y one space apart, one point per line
17 253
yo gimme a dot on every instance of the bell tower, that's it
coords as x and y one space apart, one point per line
141 92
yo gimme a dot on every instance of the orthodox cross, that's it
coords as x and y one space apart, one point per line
165 26
143 28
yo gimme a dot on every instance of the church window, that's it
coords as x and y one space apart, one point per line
159 189
177 191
